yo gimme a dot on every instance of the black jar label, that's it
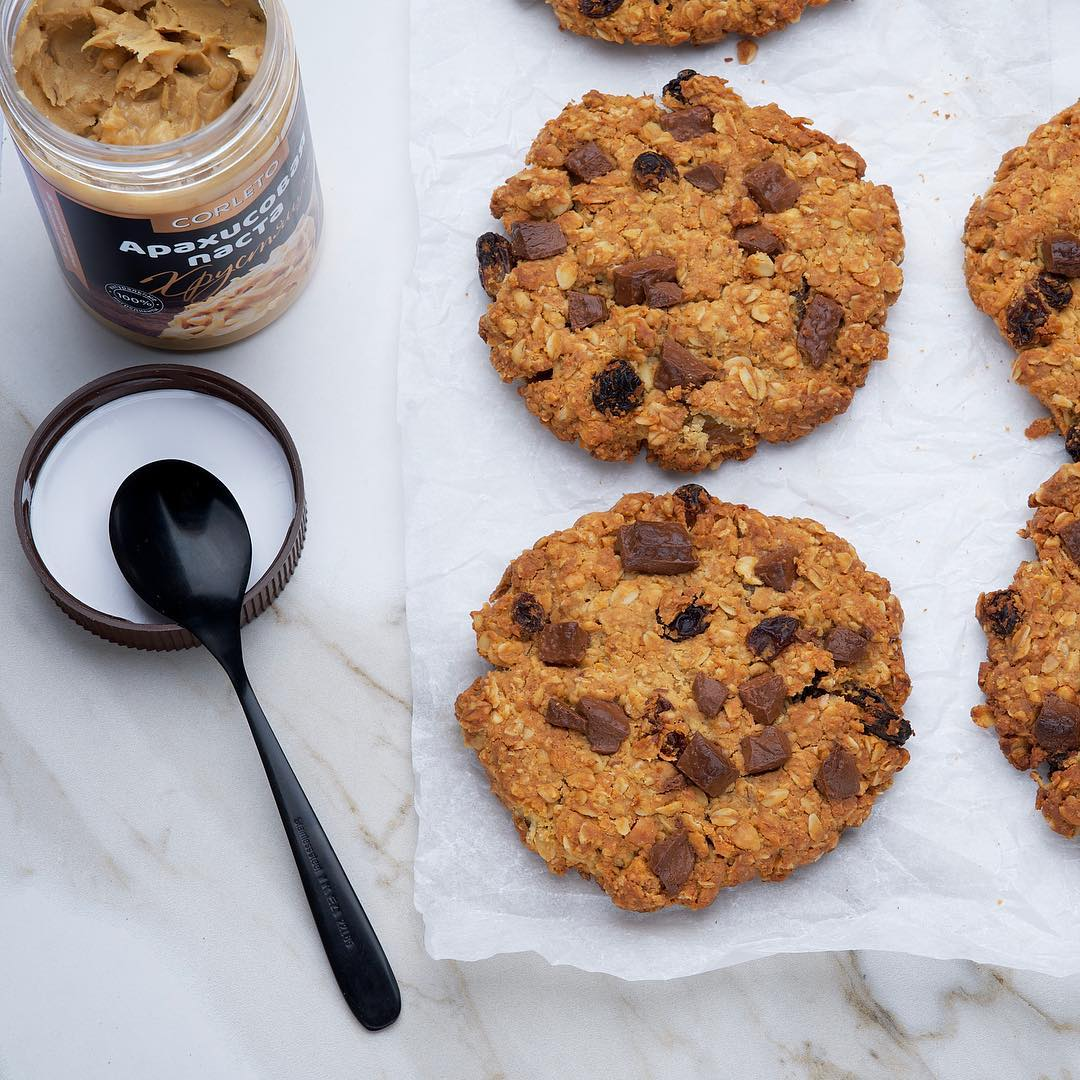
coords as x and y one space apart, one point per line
210 273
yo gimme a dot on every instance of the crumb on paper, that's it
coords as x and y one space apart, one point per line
746 50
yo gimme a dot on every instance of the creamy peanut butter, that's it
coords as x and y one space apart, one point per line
137 72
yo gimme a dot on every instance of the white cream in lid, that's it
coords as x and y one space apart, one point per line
74 489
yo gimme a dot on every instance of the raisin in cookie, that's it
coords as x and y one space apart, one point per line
677 22
692 279
1023 252
1031 677
688 695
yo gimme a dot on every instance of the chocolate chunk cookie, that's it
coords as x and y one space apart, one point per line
1031 676
691 279
1023 259
667 766
677 22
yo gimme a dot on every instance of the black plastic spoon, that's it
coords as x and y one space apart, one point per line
183 544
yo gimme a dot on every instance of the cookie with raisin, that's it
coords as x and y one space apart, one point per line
1022 242
677 22
688 279
1031 676
687 694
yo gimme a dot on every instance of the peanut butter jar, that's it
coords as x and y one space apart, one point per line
186 244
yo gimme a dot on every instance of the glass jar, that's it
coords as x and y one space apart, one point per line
189 244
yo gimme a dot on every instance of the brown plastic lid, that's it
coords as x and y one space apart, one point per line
162 637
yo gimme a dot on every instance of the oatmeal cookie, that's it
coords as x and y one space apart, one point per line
688 695
677 22
1023 252
694 278
1031 677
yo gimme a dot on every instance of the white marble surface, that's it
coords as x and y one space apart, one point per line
151 925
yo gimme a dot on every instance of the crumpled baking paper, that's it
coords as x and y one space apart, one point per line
928 476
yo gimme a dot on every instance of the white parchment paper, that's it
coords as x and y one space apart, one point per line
927 475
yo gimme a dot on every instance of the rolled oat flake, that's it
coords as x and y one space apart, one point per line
168 150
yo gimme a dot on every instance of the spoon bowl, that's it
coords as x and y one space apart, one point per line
181 541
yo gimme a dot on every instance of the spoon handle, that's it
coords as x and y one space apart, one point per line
358 961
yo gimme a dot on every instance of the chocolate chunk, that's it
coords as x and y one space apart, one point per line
599 9
838 778
708 177
776 569
587 163
756 239
763 697
534 240
528 614
1057 727
656 547
846 646
606 725
650 170
562 644
560 715
663 294
672 745
1055 291
632 280
881 720
495 258
680 367
702 764
695 500
771 188
999 612
603 723
672 861
766 752
674 88
710 695
686 124
690 622
1061 255
1025 318
819 328
772 636
584 309
1072 442
617 389
1070 541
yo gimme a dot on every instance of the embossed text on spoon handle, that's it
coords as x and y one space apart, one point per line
355 954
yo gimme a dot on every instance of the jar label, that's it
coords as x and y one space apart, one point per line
211 272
